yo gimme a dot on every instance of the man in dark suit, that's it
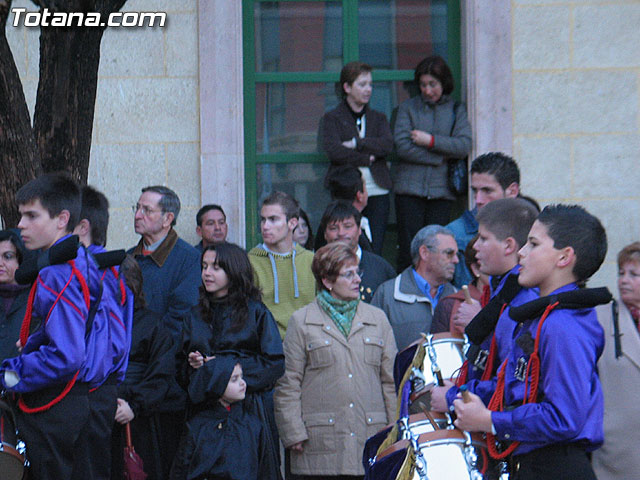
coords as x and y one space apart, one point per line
342 222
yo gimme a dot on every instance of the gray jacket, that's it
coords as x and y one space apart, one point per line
409 311
422 171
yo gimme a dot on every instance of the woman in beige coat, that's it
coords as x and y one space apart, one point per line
338 388
619 368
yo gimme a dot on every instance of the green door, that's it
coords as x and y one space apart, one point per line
293 54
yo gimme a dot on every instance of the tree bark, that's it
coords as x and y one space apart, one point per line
19 160
65 103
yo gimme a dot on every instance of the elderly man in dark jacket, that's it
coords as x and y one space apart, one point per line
171 272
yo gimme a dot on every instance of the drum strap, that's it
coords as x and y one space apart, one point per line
533 372
25 330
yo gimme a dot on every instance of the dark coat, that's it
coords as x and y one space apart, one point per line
375 271
10 324
171 279
221 444
150 372
338 125
257 347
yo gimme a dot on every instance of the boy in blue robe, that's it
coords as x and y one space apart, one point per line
545 407
53 404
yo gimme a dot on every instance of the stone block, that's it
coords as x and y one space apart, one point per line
545 166
619 218
182 45
223 183
606 166
121 233
541 37
186 226
120 171
132 52
551 2
606 276
606 36
588 102
137 110
183 172
169 6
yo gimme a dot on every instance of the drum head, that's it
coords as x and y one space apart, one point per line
11 463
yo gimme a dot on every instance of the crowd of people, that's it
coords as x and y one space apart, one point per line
214 360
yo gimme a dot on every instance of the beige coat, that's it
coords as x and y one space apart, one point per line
335 392
618 458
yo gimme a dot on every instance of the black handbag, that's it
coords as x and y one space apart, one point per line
457 168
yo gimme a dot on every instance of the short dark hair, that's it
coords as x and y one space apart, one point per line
337 211
169 200
504 168
56 192
572 226
205 209
290 205
16 241
344 182
329 260
132 273
349 73
508 217
95 209
435 66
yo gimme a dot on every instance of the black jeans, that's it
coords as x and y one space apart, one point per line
412 214
377 211
554 462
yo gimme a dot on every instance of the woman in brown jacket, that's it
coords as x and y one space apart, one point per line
338 387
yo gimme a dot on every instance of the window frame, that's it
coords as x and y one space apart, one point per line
350 53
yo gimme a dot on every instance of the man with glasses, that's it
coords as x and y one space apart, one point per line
410 299
171 274
341 222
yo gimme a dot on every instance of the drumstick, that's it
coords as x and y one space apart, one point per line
466 396
467 295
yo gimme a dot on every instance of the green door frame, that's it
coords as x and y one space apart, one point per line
350 53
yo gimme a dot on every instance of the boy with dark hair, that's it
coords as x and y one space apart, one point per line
494 175
282 269
49 374
502 231
111 333
545 408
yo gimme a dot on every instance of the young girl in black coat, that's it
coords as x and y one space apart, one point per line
231 320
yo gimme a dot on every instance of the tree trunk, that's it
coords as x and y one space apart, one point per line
63 119
19 161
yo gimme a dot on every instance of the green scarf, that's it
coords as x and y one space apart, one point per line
340 311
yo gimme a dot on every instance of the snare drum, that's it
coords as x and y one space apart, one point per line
11 460
448 456
425 422
449 356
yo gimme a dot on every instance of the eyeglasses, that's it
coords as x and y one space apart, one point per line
144 210
449 252
351 274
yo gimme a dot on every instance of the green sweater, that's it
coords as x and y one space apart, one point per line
284 289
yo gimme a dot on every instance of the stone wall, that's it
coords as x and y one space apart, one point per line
146 126
576 122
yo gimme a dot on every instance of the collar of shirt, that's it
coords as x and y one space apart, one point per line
359 254
425 288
